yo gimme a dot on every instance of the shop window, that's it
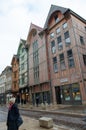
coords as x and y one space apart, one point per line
53 48
84 59
67 93
59 40
70 58
55 66
62 61
76 92
67 38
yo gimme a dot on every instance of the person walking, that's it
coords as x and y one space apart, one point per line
13 114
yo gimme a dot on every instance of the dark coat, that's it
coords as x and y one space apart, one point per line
13 114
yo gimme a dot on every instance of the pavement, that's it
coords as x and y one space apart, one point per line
33 124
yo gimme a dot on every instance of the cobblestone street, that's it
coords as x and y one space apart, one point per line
32 124
28 124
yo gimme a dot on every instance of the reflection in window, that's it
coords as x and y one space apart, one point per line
67 38
62 61
76 92
82 40
58 30
67 94
64 25
70 58
55 66
56 18
59 40
53 48
52 35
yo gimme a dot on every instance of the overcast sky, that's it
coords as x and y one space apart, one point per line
16 17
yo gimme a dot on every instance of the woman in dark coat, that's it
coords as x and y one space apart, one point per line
13 114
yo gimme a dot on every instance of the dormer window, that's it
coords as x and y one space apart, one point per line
56 18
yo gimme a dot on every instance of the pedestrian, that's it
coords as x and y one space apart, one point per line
13 114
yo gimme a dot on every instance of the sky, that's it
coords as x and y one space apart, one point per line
16 17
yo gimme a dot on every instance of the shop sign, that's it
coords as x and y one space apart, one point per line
64 80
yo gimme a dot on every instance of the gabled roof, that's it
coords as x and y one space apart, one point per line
22 42
14 57
52 10
63 10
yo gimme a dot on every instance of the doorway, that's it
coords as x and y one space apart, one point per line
58 95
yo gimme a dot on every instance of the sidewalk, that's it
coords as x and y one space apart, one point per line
67 109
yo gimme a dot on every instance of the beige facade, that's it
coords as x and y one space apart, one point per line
39 84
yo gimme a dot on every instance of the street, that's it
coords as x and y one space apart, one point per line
71 121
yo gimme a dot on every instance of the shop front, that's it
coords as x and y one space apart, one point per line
68 94
24 95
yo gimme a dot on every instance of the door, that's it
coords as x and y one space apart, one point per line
58 94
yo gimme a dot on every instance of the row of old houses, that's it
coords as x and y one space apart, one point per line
50 65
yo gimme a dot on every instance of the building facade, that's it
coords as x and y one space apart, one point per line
2 88
5 85
66 39
15 77
39 84
23 72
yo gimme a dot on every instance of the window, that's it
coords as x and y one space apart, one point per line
36 72
15 85
67 38
59 40
22 66
35 45
64 25
22 49
15 74
34 33
85 28
56 18
70 58
66 92
81 40
53 49
62 61
76 92
55 67
23 79
84 59
35 53
35 57
22 58
58 30
52 35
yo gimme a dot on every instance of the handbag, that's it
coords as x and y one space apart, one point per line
19 121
